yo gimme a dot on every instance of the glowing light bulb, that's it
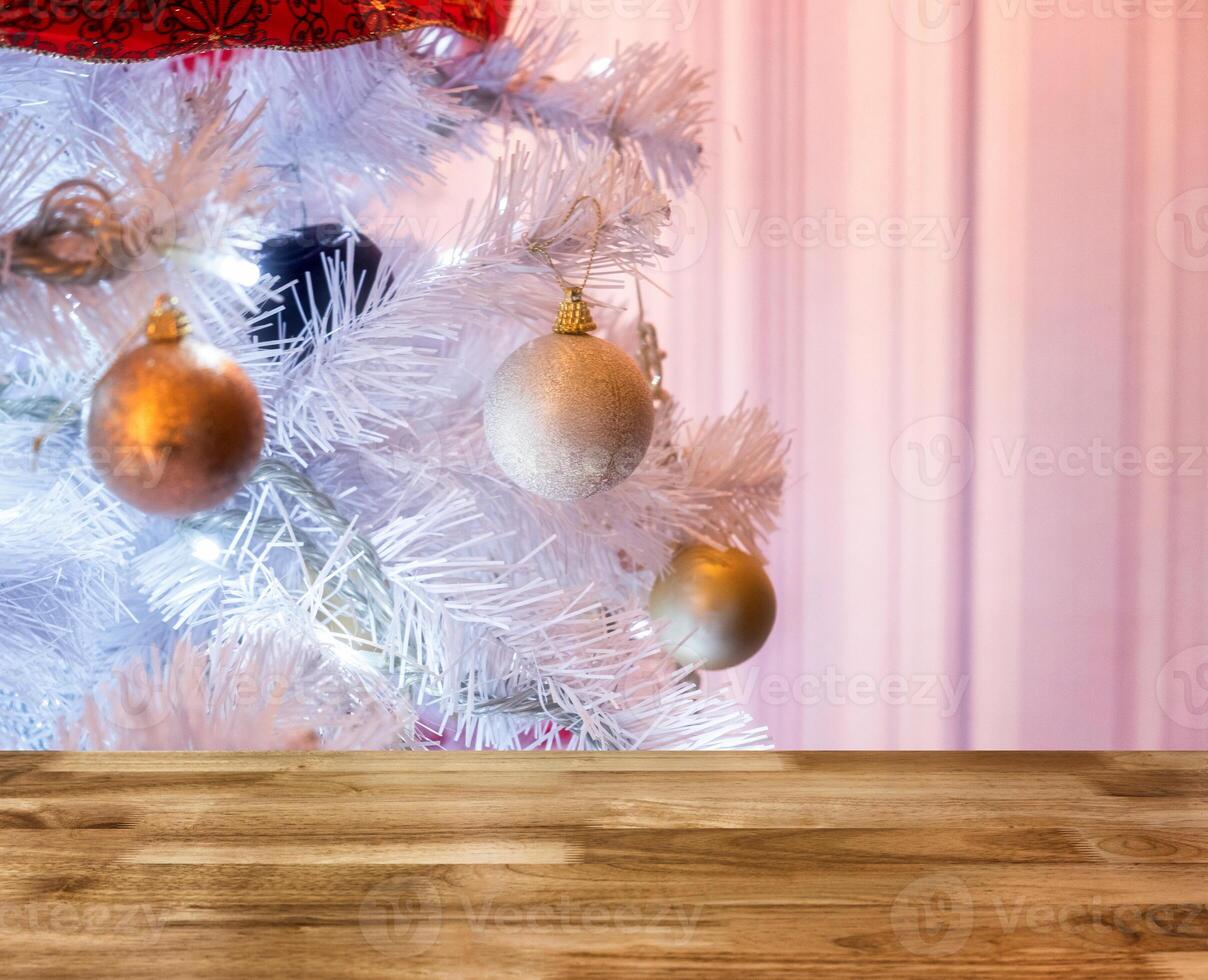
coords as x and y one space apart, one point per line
207 550
236 269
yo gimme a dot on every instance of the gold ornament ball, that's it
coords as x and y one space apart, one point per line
717 607
175 426
568 416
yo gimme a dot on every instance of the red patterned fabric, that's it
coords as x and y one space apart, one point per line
140 30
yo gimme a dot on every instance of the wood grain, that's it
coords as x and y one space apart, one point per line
378 865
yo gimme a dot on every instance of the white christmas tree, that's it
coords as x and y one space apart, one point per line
378 580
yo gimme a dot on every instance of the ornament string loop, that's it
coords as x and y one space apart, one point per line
73 238
574 315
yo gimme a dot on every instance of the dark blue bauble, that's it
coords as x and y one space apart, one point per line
301 254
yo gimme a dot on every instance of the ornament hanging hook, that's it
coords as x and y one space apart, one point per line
167 322
650 355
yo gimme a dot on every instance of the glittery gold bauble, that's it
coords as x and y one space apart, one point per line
175 426
568 416
717 607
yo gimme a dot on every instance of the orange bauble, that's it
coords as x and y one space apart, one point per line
175 425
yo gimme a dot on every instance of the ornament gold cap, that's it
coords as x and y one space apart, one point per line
574 315
167 322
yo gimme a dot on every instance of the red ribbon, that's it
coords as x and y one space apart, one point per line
141 30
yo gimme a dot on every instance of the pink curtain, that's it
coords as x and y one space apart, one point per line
962 250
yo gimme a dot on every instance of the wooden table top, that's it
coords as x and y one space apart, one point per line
450 864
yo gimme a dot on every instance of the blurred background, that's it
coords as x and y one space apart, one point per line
960 247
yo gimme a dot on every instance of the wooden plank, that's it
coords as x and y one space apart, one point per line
460 864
